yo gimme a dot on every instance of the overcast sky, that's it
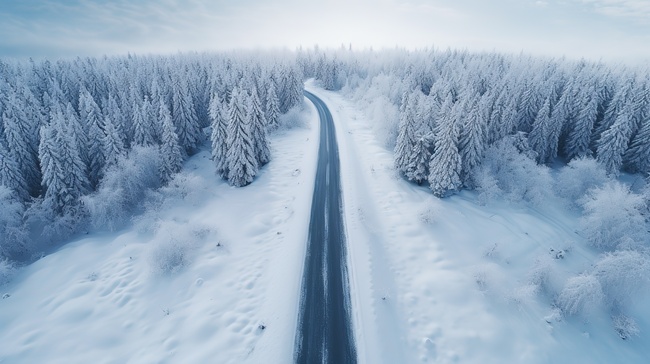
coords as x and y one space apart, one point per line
616 30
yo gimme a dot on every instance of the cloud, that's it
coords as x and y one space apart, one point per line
576 28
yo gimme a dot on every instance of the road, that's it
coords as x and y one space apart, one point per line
324 333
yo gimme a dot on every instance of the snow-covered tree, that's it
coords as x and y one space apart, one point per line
184 116
112 144
417 167
613 143
10 175
613 217
219 135
258 127
473 139
242 162
406 136
18 135
170 150
544 137
578 141
446 164
272 108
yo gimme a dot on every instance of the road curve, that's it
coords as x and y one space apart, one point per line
324 332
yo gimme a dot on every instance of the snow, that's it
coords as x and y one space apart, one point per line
189 283
432 280
450 280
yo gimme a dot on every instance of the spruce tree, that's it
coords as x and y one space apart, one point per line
170 150
242 163
446 165
258 129
544 137
19 141
219 135
473 139
272 108
406 131
184 116
613 143
10 175
417 168
577 144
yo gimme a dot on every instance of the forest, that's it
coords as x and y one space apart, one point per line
82 141
534 132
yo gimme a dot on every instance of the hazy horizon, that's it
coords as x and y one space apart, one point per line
608 30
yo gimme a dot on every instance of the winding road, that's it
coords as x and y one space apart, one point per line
324 332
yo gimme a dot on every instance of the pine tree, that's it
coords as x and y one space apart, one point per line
94 121
142 128
613 143
18 135
272 108
64 177
544 137
473 139
258 129
446 165
170 150
637 158
184 116
242 164
577 145
219 135
112 144
10 175
417 168
406 132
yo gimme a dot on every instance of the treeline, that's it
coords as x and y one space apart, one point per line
454 105
72 128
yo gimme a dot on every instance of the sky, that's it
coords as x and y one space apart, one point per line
609 30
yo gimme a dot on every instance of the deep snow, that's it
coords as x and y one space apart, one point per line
431 280
120 297
453 281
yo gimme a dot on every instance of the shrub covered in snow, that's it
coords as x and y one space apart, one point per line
508 169
576 178
622 275
174 246
581 295
124 187
613 217
625 326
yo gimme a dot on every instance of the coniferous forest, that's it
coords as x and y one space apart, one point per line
88 137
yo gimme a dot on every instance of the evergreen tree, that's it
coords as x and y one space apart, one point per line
577 145
417 168
637 158
170 150
64 177
142 128
406 132
219 135
242 163
613 143
184 116
545 135
446 165
18 135
93 119
10 175
258 124
112 144
473 139
272 108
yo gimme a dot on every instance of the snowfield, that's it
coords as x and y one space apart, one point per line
212 273
452 281
192 282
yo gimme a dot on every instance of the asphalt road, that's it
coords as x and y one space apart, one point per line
324 333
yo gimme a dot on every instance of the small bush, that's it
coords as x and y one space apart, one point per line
613 217
581 295
580 175
622 275
124 188
625 326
